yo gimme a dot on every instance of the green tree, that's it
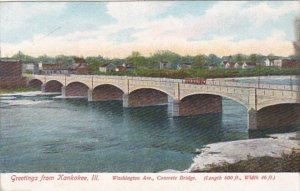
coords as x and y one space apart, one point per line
23 58
66 59
166 56
253 58
213 59
238 58
200 60
46 59
136 59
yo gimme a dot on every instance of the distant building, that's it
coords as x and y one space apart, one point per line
124 68
248 65
165 65
229 65
57 68
238 65
10 68
186 65
212 66
32 68
287 63
107 68
269 62
80 67
11 74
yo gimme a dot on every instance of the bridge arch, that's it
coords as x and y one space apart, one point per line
106 92
53 86
268 103
243 103
35 83
152 88
140 97
76 89
278 115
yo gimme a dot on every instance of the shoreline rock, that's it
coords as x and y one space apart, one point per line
235 151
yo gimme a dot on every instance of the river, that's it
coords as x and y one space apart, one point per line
43 134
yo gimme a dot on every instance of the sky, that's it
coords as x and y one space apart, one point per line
115 29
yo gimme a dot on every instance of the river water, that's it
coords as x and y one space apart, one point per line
42 134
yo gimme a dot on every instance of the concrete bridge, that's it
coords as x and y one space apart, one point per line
268 106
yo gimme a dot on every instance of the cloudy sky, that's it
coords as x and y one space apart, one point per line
115 29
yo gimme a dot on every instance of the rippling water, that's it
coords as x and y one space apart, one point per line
39 134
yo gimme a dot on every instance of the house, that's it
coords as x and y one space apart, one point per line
287 63
107 68
32 68
57 68
238 65
187 65
165 65
124 68
80 67
212 66
269 62
247 65
229 65
223 63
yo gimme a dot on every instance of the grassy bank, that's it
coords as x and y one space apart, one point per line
16 90
206 73
287 163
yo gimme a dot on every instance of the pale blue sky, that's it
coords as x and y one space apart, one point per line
189 27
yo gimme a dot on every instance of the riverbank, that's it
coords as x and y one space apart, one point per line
245 155
17 90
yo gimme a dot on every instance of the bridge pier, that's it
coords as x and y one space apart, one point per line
195 105
90 95
63 91
125 100
252 119
43 88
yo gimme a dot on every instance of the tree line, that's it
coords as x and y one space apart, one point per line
140 61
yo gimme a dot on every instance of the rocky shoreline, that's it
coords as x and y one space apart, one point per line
234 151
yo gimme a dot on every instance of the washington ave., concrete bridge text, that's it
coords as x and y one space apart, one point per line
268 106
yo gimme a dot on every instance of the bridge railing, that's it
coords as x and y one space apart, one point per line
208 82
254 85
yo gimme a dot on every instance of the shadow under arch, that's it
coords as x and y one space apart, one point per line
147 97
35 83
220 95
53 86
106 92
278 115
77 89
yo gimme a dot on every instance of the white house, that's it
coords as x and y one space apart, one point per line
249 65
107 68
269 62
238 65
30 67
229 65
